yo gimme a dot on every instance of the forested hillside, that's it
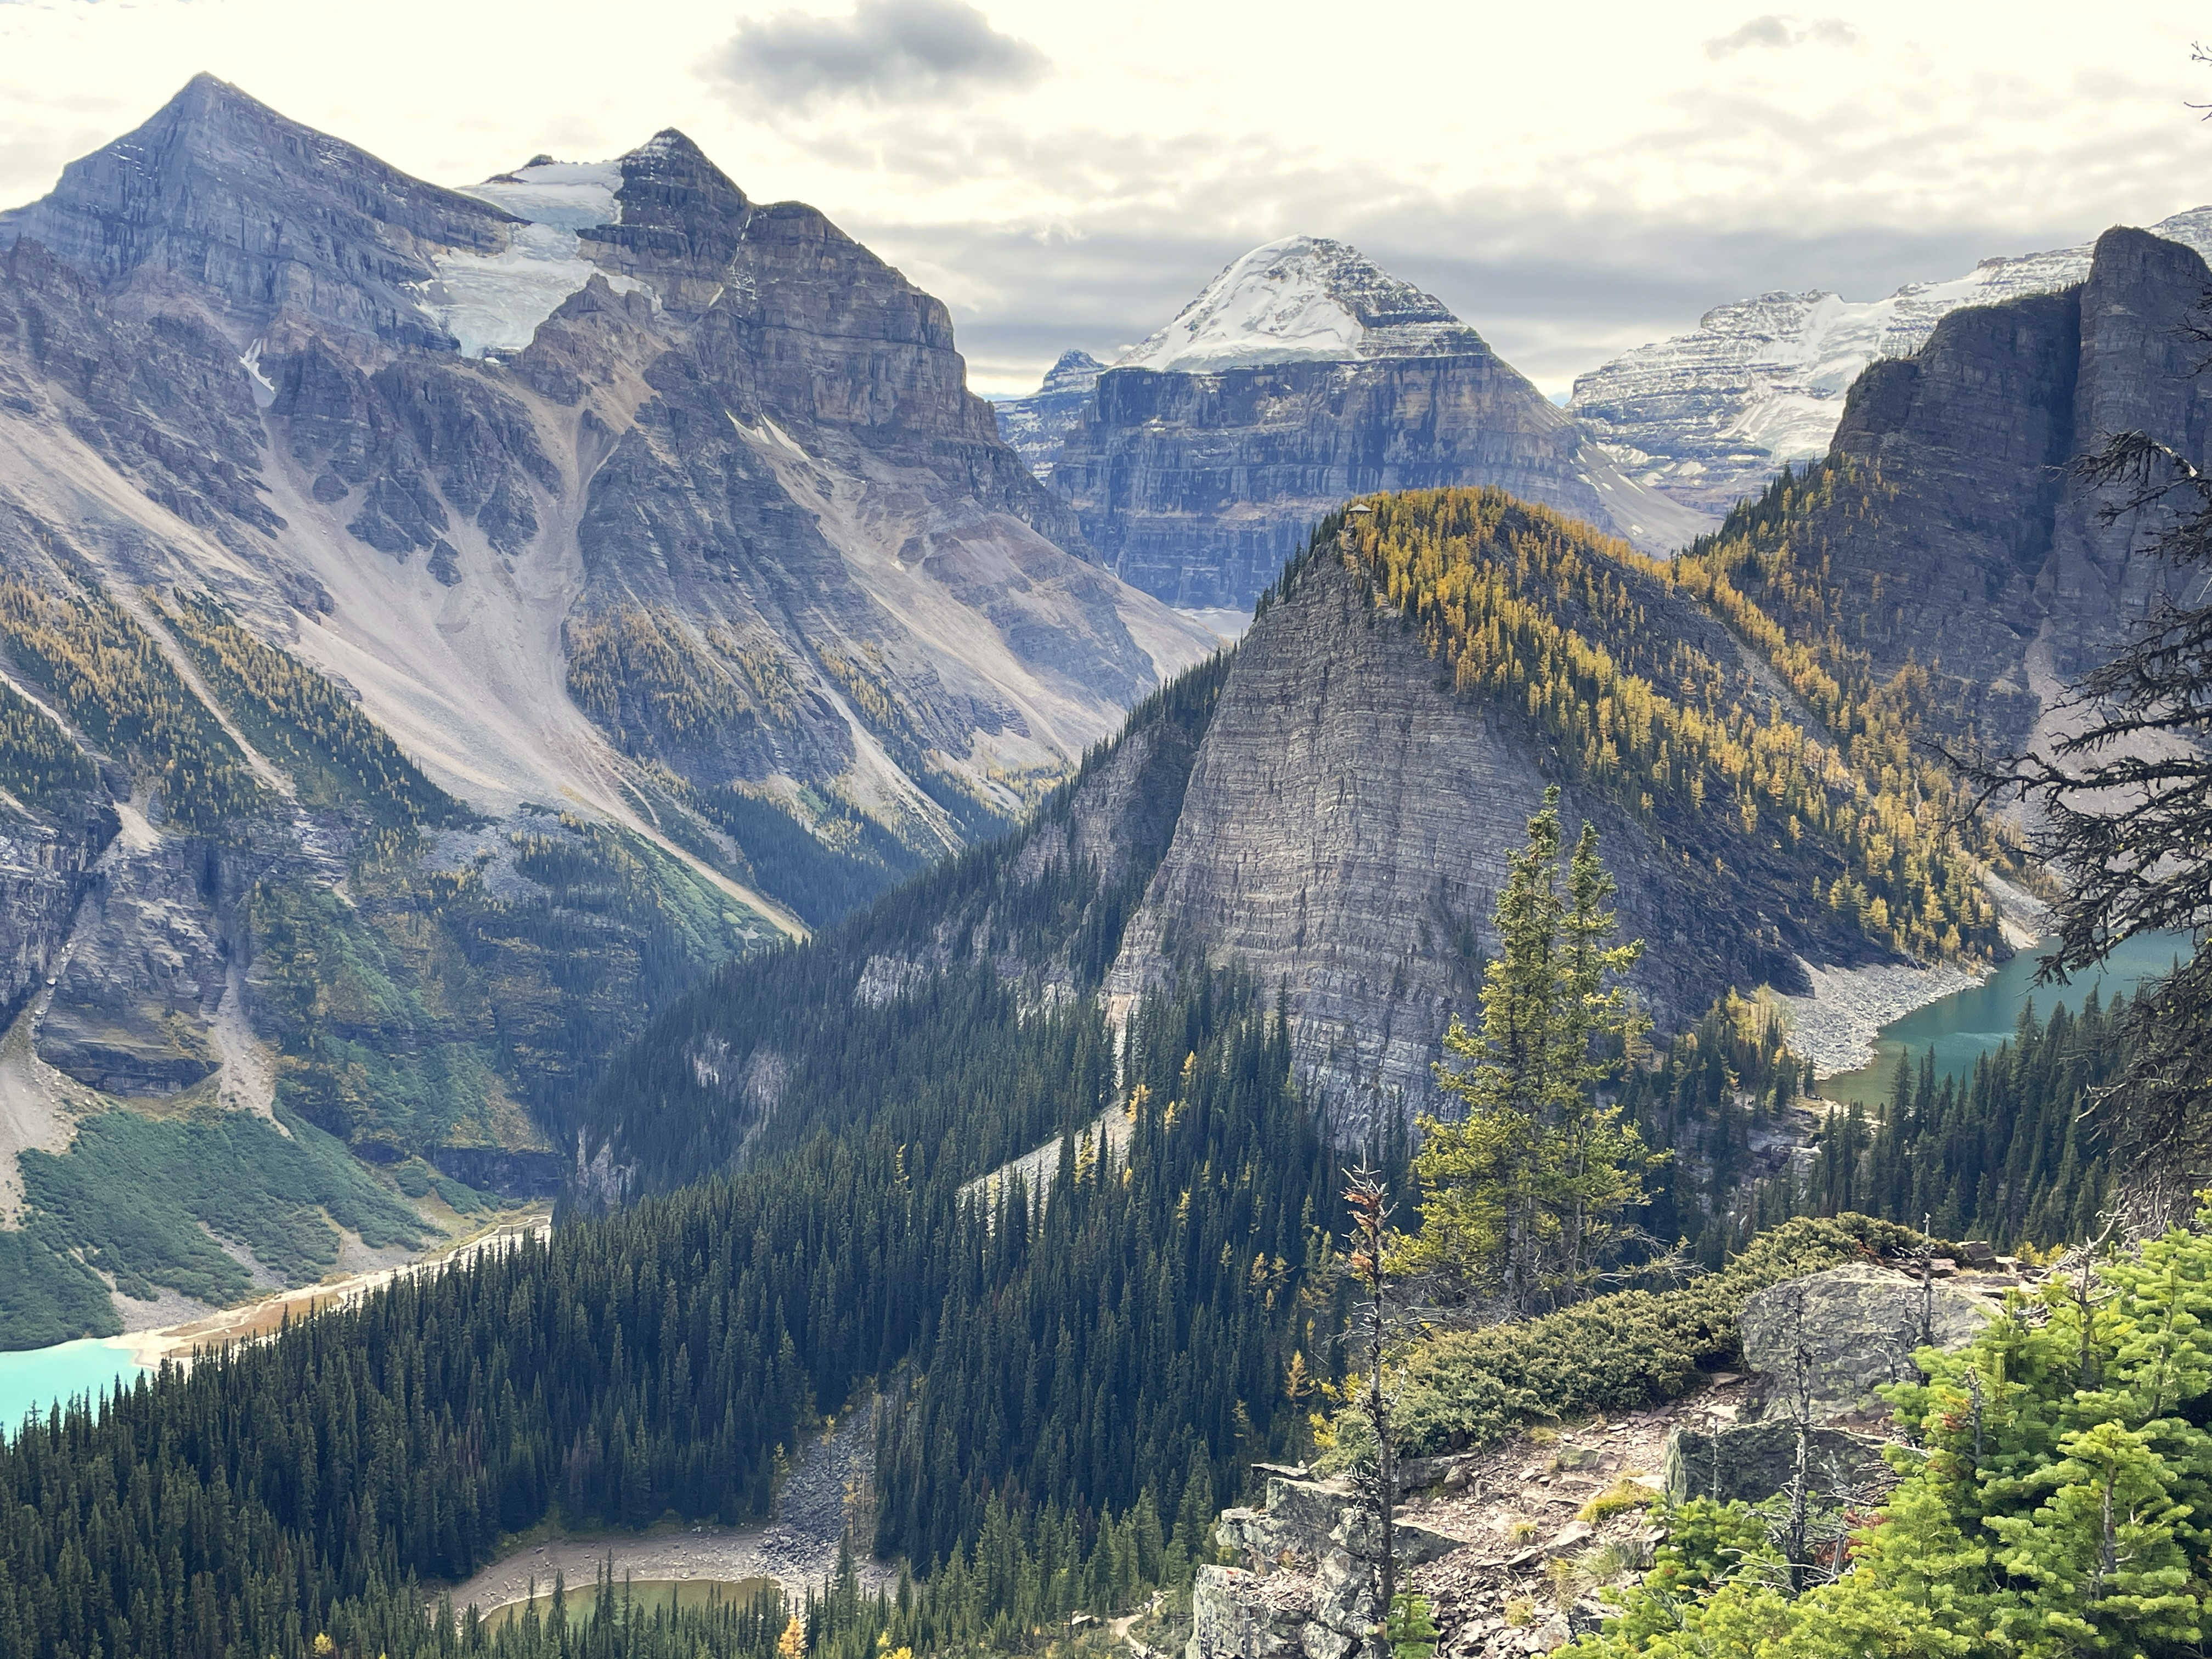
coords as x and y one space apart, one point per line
905 998
431 984
1527 609
1112 1352
1338 830
2011 1151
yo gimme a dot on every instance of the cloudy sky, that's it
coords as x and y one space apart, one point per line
1572 179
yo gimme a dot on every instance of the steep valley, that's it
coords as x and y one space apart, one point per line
436 627
670 991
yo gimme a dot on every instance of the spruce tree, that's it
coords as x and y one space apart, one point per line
1523 1197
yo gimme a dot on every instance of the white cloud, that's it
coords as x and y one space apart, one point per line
1776 32
1568 177
895 50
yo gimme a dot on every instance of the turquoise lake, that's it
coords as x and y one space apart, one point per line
1963 1027
32 1379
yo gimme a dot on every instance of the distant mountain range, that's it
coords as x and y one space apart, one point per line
437 626
1198 461
1329 808
1706 417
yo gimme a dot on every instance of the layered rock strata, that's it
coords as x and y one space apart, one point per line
1344 835
1706 417
1302 375
1973 551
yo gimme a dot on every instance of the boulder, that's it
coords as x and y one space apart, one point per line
1307 1584
1755 1461
1861 1324
1571 1538
1237 1615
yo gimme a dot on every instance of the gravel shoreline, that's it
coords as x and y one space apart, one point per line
797 1547
1836 1026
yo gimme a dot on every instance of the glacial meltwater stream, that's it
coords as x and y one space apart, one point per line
1963 1027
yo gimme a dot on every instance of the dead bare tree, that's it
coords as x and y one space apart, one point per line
1375 1327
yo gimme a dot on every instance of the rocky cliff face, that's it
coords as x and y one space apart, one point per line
1302 376
1198 487
598 573
1706 417
229 197
1970 550
1345 832
1034 427
1325 809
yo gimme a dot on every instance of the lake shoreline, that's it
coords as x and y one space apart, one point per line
35 1378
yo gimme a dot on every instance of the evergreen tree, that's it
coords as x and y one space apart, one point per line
1524 1196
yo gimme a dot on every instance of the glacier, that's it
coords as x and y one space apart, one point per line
493 303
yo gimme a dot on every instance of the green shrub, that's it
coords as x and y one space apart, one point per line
1614 1352
47 1297
145 1201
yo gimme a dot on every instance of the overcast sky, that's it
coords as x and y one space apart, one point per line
1572 179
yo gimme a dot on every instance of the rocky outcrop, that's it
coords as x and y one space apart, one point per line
147 968
1750 1462
1345 832
46 868
1858 1326
512 1174
1975 553
1707 417
1837 1336
1307 1584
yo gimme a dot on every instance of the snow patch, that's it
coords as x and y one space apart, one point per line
265 389
1303 299
495 301
1274 303
1762 382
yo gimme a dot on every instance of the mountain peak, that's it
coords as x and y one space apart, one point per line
260 210
1076 371
207 90
673 143
1302 299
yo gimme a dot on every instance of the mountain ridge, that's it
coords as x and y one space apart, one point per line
1707 416
687 573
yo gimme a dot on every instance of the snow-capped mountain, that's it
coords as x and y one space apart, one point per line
1302 299
1303 374
1707 416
